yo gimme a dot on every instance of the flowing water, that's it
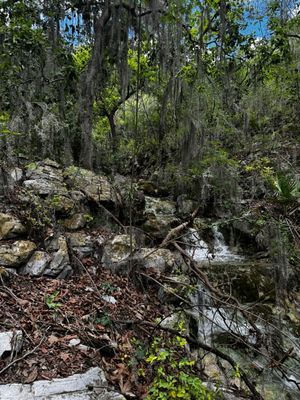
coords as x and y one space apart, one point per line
227 328
217 251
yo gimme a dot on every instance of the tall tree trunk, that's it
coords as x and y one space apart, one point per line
89 79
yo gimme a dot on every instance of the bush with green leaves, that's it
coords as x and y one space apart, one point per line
174 372
286 188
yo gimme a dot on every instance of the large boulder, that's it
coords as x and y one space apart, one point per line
44 178
117 251
81 243
10 227
86 386
161 260
96 187
37 264
160 216
17 253
60 261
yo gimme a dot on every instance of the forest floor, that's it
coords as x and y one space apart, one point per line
72 325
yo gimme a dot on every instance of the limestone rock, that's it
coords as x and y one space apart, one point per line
37 264
77 196
62 203
81 243
10 227
45 178
87 386
75 222
159 259
185 206
15 175
96 187
10 341
17 253
117 250
160 216
60 258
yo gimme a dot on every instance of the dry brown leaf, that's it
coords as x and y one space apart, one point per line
32 376
124 387
64 356
53 339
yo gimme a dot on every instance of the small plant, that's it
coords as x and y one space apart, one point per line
88 218
51 301
174 376
108 287
286 187
104 320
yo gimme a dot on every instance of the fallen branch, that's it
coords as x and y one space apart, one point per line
24 356
175 231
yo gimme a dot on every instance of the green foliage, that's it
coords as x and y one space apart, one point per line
108 287
37 215
286 188
81 57
174 376
51 301
104 320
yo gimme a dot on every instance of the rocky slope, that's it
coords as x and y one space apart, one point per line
65 239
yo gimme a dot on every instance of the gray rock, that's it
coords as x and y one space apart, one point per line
44 178
42 170
81 243
75 222
15 174
60 258
74 342
10 341
160 216
44 186
158 259
10 227
77 196
117 250
17 253
109 299
37 264
88 386
95 187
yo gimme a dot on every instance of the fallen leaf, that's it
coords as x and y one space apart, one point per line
64 356
53 339
32 376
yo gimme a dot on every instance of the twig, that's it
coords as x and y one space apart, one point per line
24 356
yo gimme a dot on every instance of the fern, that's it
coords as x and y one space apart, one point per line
286 187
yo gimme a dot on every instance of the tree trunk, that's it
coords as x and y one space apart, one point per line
89 79
113 131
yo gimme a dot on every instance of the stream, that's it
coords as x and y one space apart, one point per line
226 327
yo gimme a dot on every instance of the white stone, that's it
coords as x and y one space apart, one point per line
109 299
88 386
74 342
10 341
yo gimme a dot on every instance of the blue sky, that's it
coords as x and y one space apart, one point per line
258 26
